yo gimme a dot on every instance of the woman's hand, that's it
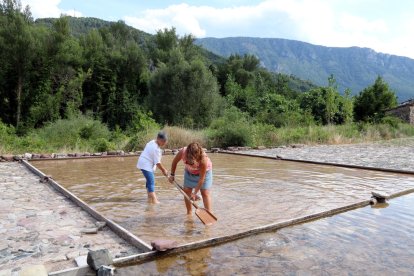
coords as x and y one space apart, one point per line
171 179
195 197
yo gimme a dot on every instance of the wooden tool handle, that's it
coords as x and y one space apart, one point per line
184 194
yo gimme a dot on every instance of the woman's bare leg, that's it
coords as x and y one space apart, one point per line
188 191
206 199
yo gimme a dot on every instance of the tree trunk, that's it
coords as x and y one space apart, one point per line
19 98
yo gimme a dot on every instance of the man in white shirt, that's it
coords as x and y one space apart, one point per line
148 162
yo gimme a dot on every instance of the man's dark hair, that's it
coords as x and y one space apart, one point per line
162 136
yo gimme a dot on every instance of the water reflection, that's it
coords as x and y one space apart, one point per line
247 192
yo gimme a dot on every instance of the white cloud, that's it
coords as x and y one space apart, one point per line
314 21
48 8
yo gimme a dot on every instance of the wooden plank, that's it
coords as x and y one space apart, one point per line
119 230
76 271
405 192
82 157
322 163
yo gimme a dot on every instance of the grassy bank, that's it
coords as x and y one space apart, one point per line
83 134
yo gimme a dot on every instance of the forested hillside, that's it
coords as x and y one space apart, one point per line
354 68
85 83
113 71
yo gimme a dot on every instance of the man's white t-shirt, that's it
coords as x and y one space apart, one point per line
150 157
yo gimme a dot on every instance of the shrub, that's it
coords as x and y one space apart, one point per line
233 129
102 144
86 132
74 133
392 121
142 121
139 140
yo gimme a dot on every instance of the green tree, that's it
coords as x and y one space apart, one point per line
244 99
327 105
165 41
16 54
373 101
183 93
282 112
346 108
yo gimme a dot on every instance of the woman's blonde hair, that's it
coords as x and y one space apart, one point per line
194 152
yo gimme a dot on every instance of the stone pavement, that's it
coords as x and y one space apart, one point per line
392 154
40 226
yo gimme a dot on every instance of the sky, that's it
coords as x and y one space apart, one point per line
383 25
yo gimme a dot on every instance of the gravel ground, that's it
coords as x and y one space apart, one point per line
392 154
40 226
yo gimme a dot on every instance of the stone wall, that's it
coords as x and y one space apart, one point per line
405 112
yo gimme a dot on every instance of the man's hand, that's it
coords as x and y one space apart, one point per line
171 179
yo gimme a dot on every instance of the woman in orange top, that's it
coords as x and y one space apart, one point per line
198 174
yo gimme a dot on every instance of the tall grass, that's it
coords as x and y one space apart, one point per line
342 134
180 137
177 137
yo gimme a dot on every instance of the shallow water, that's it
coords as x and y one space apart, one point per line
247 192
366 241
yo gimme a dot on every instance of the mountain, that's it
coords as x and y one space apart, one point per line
353 67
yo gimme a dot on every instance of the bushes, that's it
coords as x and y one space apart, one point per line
102 144
233 129
139 140
77 132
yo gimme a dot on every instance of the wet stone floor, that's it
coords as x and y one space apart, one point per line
247 192
40 226
392 154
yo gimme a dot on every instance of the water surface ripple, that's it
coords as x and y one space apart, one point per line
247 192
366 241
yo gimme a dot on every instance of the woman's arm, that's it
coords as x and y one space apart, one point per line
174 163
203 171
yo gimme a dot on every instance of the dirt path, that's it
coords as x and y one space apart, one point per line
40 226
